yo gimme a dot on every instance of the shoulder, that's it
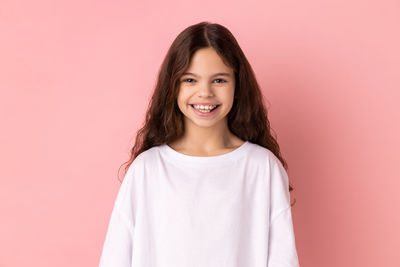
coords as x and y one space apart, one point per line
138 169
145 158
262 155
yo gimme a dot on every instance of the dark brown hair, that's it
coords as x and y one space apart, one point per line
247 118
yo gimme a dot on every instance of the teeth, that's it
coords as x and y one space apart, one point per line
204 108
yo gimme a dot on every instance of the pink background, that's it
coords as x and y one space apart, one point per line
76 77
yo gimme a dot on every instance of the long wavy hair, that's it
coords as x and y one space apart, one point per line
247 119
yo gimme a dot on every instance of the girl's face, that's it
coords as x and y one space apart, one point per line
207 81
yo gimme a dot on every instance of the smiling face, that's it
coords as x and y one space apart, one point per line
207 80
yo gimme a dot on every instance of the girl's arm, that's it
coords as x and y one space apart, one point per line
118 244
117 248
282 247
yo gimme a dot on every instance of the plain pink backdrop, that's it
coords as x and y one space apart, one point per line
76 77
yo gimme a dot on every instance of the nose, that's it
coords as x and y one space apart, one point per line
205 90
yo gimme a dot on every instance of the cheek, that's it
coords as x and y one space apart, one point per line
228 93
182 96
182 101
179 96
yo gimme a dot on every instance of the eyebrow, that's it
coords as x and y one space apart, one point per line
216 74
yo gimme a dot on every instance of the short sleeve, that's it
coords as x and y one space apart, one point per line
281 244
118 244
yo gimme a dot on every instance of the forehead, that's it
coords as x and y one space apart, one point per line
206 61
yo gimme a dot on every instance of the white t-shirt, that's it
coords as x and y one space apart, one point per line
176 210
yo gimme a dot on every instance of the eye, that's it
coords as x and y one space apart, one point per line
190 79
186 80
220 80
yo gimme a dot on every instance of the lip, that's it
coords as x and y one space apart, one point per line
205 114
211 104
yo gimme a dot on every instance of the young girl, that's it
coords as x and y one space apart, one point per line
206 185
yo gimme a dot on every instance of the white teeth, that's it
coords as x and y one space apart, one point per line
204 108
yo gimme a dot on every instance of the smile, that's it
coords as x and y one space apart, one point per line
204 112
